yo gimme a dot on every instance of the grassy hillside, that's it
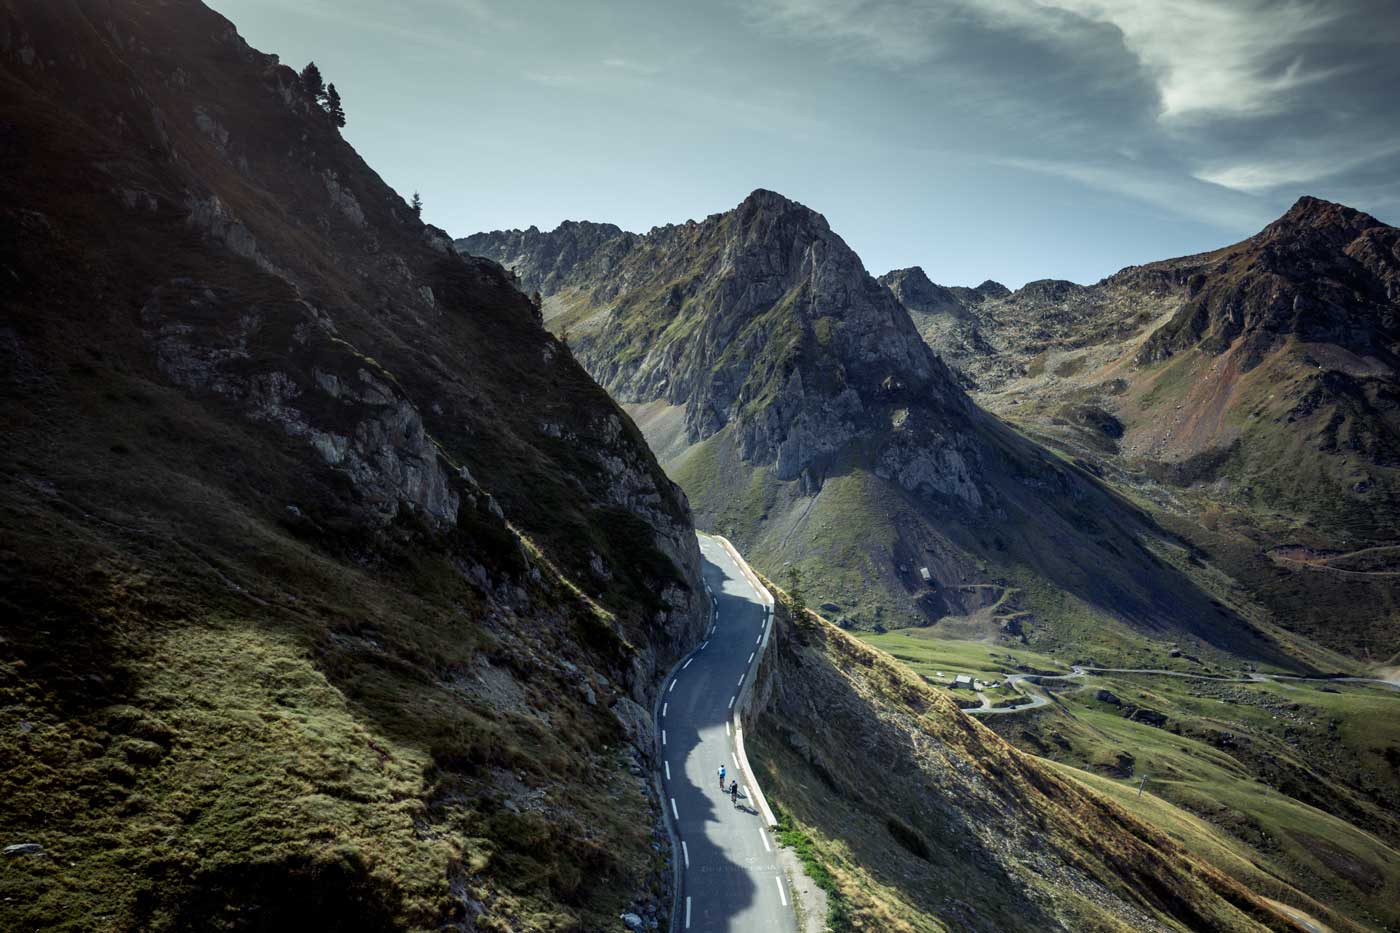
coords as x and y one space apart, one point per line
1297 781
953 828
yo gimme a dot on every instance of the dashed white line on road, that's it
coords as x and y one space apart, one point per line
687 912
764 836
741 680
663 736
751 654
703 644
664 707
673 686
734 758
782 892
726 728
731 704
685 850
668 771
712 629
686 664
677 814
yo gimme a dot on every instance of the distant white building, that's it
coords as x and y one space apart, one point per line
923 572
963 680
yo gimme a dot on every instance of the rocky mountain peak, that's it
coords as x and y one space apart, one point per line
1314 215
1322 272
760 318
917 292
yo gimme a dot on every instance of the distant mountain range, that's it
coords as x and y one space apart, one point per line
1247 395
807 410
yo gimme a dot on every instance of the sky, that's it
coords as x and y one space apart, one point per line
1004 139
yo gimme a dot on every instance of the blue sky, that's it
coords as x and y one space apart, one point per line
1004 139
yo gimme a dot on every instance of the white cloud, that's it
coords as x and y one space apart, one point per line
1209 57
1259 175
1206 57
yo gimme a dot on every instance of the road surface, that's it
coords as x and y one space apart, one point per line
730 879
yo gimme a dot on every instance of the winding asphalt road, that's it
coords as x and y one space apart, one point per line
1021 681
730 878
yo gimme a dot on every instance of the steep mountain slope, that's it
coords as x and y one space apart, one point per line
1249 393
927 821
334 588
792 397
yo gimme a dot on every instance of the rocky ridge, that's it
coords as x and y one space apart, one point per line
1252 383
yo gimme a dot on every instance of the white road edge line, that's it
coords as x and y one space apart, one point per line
668 771
686 664
673 687
758 640
703 644
741 680
782 892
685 850
687 911
764 836
734 758
751 654
731 706
674 812
726 728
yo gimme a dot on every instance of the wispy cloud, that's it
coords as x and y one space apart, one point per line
627 65
1258 175
1170 191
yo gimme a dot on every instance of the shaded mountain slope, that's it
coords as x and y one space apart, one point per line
1249 392
334 588
792 397
953 829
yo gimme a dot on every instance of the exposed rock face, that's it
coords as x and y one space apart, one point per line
762 319
544 261
943 316
355 418
1321 273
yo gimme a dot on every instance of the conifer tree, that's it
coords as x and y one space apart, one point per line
796 591
332 105
311 80
417 205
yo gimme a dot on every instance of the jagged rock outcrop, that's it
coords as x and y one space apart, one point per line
1321 273
762 319
545 261
943 316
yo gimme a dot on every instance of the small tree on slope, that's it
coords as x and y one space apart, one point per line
311 80
332 105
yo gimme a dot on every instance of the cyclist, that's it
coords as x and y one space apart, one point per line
721 779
